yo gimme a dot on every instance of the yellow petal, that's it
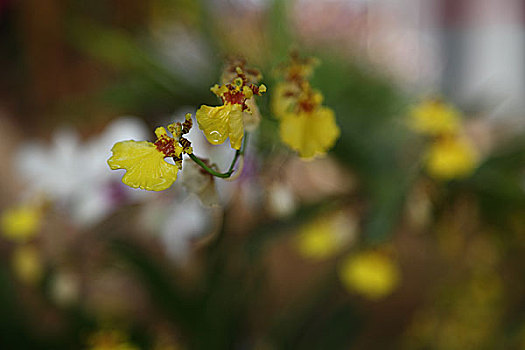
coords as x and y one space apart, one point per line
213 121
236 127
161 132
219 123
21 223
372 274
434 118
317 240
451 157
311 134
326 235
219 90
144 164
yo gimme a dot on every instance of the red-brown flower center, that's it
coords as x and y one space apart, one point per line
166 145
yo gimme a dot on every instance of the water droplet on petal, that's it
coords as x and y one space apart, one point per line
215 136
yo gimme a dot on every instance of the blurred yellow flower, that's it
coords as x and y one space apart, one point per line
371 274
451 157
219 123
326 235
110 340
311 133
305 125
144 161
27 264
21 223
434 117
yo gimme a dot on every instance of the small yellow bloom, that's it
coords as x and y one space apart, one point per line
451 157
219 123
325 236
317 241
110 340
306 126
434 117
311 133
371 274
21 223
27 264
144 161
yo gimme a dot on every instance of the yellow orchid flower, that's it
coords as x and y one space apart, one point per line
371 274
110 339
219 123
326 235
144 161
451 157
305 125
27 264
434 117
21 223
309 128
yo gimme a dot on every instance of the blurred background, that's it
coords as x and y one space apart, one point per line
364 248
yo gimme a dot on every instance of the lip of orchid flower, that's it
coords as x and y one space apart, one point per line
144 161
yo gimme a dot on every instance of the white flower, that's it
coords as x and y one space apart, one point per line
179 222
281 201
74 174
187 222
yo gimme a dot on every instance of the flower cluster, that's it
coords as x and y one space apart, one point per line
450 154
372 273
306 125
144 161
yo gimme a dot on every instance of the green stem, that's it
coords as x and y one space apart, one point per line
230 170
